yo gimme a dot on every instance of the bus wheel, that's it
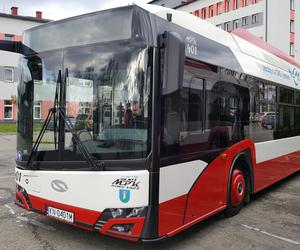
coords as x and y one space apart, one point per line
237 192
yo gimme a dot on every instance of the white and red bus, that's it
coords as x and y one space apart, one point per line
154 120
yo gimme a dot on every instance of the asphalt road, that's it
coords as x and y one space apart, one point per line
270 221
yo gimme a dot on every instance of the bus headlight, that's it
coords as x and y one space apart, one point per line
123 220
122 213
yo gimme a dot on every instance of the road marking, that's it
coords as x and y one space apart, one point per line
31 221
36 223
272 235
10 209
7 176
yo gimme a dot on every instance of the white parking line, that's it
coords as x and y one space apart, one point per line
271 235
7 176
10 209
26 219
36 223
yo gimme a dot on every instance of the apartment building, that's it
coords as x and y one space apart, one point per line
275 21
12 26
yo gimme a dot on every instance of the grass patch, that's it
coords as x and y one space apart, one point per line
8 128
12 127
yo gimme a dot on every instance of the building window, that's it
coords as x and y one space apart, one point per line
227 6
219 8
236 4
84 108
8 74
245 2
37 110
226 26
255 18
254 1
197 13
244 21
219 26
203 11
235 24
211 11
8 109
292 26
292 49
292 4
8 37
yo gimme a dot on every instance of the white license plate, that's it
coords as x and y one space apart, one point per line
60 214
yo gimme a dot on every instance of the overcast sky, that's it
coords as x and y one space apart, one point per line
58 9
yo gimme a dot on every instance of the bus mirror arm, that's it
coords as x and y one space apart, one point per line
15 47
174 56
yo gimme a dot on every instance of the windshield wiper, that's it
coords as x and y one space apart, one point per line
41 134
51 113
93 162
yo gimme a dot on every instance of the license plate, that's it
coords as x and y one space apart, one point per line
60 214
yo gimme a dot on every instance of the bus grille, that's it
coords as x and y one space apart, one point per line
99 224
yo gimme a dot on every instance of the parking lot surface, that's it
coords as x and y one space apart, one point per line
270 221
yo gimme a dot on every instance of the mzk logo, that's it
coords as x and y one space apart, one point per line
127 183
295 74
124 195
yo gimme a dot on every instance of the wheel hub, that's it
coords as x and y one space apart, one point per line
237 188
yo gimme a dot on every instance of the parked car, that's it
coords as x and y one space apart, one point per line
263 114
269 120
69 118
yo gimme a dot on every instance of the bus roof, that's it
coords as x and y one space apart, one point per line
256 57
239 51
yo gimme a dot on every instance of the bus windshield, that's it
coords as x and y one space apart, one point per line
107 101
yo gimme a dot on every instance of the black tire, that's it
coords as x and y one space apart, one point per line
237 192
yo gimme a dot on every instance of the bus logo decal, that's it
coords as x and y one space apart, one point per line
295 75
59 186
127 182
124 195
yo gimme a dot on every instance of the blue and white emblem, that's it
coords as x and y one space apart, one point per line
19 156
124 195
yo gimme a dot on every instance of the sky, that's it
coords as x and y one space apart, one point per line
59 9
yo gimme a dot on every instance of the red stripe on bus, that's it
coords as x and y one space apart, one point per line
80 214
208 195
171 214
246 35
271 171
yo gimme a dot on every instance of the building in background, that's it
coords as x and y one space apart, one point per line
169 3
275 21
11 28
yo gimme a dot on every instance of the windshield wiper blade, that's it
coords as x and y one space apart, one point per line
93 162
41 134
51 113
55 106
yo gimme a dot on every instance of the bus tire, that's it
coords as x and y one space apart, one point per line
237 192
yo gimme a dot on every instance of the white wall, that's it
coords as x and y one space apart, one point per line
297 30
278 33
8 59
15 26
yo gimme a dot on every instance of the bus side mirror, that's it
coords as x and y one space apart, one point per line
10 46
173 62
15 47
